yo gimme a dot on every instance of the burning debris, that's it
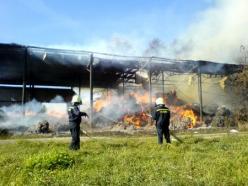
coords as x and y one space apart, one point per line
138 120
135 108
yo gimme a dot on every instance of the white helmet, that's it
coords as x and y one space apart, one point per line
76 99
160 101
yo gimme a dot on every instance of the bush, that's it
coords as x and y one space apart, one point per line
49 160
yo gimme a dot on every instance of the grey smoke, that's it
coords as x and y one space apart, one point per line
118 106
57 99
216 34
54 112
156 47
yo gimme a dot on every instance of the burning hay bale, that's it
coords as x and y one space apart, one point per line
183 117
135 108
138 120
223 118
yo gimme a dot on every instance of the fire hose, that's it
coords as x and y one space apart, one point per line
171 132
86 133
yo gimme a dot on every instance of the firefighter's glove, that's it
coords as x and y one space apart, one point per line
85 115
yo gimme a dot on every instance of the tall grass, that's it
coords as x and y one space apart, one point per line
127 161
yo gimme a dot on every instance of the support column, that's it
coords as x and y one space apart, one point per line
163 84
91 90
123 93
24 79
200 92
32 92
123 85
150 94
79 86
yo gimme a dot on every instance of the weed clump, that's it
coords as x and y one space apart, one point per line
50 160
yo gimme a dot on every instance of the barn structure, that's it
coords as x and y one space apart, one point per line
28 72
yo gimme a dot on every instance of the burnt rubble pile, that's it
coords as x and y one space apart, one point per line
43 127
46 127
4 132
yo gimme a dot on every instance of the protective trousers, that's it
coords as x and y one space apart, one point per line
163 130
75 134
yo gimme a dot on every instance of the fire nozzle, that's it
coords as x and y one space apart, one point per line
86 133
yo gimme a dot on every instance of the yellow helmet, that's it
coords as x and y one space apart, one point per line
76 99
160 101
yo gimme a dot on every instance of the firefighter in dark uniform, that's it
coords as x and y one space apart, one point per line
74 122
161 115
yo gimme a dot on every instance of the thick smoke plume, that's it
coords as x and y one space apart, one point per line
216 34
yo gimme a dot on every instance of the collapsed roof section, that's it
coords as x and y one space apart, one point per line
57 67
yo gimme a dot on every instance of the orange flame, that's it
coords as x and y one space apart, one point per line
185 114
103 102
135 119
142 98
99 104
190 114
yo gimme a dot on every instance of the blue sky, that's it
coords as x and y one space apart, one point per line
54 22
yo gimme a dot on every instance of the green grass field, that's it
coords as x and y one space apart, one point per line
127 161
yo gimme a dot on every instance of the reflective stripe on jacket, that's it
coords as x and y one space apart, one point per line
74 114
161 115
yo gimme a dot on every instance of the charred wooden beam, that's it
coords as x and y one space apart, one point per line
130 81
